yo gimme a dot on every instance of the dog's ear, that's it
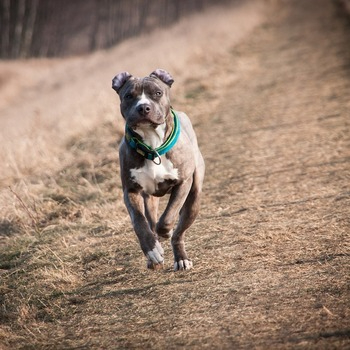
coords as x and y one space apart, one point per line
119 80
163 75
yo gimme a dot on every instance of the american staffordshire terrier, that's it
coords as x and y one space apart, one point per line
158 155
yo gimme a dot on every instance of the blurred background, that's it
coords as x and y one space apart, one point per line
49 28
57 60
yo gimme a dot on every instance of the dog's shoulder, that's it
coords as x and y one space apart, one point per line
187 128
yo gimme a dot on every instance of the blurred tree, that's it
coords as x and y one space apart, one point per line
46 28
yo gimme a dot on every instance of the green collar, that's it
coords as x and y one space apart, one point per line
147 151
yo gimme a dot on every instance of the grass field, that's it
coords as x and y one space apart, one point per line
266 85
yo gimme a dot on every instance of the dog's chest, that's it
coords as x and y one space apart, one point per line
151 176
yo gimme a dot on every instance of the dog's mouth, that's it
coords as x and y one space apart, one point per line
145 122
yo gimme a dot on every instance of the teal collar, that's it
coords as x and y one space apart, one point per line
147 151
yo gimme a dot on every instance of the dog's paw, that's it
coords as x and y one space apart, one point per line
181 265
155 256
152 266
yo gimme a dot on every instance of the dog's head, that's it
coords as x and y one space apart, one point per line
144 100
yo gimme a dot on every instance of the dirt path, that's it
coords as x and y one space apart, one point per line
279 180
271 246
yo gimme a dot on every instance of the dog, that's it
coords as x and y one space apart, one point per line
158 155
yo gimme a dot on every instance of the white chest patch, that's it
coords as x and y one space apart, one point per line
150 175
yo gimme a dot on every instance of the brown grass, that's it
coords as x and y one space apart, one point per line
267 92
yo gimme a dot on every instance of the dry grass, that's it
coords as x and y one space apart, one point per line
271 246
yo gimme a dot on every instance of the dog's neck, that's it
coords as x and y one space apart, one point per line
155 136
151 136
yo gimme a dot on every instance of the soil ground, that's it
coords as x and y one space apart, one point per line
271 246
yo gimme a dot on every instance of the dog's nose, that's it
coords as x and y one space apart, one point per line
144 109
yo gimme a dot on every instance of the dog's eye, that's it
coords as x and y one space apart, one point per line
159 93
128 96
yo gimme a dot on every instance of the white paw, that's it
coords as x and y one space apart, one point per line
155 256
183 265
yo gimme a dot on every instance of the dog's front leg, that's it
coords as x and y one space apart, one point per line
149 244
177 199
